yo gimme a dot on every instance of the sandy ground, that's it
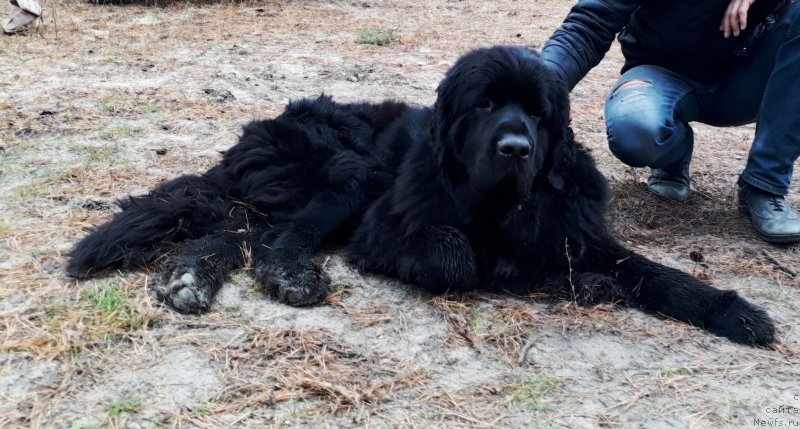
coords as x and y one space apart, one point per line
110 100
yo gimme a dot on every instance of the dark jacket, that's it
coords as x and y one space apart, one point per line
680 35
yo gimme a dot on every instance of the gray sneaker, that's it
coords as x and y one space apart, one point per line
773 219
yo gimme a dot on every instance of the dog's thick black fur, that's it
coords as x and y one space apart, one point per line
486 190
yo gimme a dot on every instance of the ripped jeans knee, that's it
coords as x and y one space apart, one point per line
641 124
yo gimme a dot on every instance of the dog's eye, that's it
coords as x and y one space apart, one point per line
533 113
485 104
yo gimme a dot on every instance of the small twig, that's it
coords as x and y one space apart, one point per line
460 325
247 254
630 402
468 418
569 264
638 288
780 265
242 417
235 337
523 354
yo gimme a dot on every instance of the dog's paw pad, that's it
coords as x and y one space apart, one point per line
303 292
182 291
301 286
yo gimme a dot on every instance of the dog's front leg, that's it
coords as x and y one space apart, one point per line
662 290
437 258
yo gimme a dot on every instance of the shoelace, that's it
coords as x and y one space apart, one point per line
777 204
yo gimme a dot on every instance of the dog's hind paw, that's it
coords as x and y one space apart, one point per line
298 284
182 290
741 322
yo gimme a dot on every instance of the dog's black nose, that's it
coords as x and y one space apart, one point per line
514 145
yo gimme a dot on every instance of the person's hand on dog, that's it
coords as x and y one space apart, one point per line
735 19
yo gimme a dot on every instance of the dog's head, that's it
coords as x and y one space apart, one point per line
503 118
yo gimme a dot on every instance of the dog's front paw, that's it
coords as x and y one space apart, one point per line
299 284
741 322
437 276
441 259
588 289
182 289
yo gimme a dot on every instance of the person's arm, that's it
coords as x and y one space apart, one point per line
585 36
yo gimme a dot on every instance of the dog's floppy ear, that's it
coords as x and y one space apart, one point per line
561 153
462 85
446 102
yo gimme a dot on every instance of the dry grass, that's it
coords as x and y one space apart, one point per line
98 316
499 325
274 366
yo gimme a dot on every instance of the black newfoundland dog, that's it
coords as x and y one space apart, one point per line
486 190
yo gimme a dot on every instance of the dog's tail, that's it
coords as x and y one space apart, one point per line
665 291
184 208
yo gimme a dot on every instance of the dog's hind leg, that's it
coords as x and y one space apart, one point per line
185 208
194 275
661 290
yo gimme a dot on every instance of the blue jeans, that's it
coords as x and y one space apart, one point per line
649 109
